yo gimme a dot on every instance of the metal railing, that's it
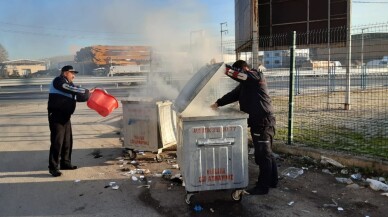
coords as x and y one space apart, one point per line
80 80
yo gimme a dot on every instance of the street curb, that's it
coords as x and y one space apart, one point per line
345 159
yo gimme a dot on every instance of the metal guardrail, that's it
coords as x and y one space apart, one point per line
79 80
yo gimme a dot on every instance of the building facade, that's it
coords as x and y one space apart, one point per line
21 68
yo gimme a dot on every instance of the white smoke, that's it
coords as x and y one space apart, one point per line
180 46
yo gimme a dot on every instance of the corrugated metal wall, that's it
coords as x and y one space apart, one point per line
279 17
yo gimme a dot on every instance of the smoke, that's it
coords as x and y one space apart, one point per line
180 45
159 89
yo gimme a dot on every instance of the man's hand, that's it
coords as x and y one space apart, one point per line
92 90
214 106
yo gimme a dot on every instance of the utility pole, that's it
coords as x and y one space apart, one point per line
195 52
223 31
191 37
255 34
328 35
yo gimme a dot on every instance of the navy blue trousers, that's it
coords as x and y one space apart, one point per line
262 138
61 139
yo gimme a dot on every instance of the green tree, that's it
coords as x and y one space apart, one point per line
3 54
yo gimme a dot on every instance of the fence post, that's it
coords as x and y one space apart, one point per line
331 78
291 88
348 54
297 90
363 77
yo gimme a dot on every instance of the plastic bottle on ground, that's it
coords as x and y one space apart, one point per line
292 172
377 185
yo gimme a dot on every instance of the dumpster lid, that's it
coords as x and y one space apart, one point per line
195 85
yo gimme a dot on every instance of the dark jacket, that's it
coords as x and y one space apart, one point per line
252 95
63 96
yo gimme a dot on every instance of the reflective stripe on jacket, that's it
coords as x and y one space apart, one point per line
63 96
252 95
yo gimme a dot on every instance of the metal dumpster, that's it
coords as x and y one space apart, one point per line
211 145
147 125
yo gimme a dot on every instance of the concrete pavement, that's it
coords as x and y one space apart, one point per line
27 189
25 143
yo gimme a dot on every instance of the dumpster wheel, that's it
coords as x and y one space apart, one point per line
158 158
237 195
188 198
132 154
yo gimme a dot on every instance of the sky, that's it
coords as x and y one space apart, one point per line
37 29
34 29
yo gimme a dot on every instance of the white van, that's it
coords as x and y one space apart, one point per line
378 63
337 64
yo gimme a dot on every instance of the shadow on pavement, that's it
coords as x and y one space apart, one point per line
29 161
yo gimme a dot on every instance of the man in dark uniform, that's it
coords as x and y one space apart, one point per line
63 96
252 94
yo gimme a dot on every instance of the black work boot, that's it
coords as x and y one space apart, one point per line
68 167
258 190
55 172
274 175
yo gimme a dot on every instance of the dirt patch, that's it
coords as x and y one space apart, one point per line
318 189
316 192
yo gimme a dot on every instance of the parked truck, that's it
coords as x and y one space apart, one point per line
128 70
105 60
321 64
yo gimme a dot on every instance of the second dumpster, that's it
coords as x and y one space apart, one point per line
148 125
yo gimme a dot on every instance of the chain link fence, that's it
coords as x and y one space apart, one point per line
333 109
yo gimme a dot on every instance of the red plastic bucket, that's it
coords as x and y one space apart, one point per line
102 102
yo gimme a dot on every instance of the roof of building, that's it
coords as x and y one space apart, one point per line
23 62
